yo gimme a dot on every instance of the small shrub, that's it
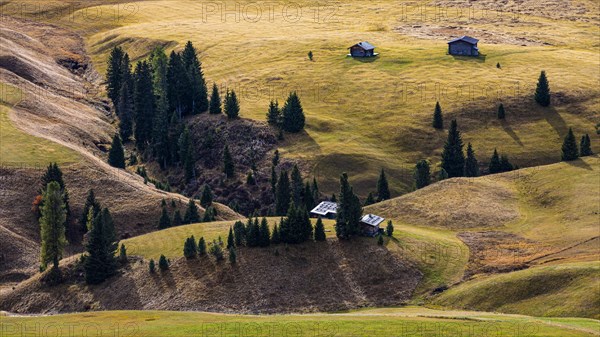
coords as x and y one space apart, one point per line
151 266
163 263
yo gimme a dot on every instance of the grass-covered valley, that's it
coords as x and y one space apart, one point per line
154 183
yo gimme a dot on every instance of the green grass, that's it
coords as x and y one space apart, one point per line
17 148
364 323
560 290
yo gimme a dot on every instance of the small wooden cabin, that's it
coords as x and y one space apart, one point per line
362 49
325 209
370 224
463 46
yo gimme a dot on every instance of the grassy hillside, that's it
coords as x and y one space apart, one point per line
364 115
363 323
559 290
18 148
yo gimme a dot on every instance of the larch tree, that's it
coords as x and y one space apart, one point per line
52 224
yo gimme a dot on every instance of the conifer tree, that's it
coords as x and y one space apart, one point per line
90 203
54 173
125 111
422 174
239 233
586 146
283 194
209 214
143 105
501 113
116 155
370 199
164 221
505 165
177 220
100 262
389 229
163 263
292 114
471 164
495 165
201 246
191 213
123 254
230 239
52 224
542 91
333 198
438 119
453 158
113 74
442 174
215 101
178 84
297 185
349 211
253 234
315 191
216 251
126 73
189 248
232 106
383 189
228 165
151 266
197 91
569 147
320 230
232 255
309 200
159 66
380 240
275 237
273 180
276 158
264 234
274 114
207 197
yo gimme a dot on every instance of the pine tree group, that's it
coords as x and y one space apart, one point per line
296 226
232 106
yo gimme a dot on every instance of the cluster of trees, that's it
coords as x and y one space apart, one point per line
349 211
192 213
500 163
290 188
290 117
191 250
570 151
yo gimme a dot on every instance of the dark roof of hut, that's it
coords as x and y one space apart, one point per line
467 39
364 45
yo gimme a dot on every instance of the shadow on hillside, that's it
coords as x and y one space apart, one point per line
479 59
508 129
127 298
580 164
556 121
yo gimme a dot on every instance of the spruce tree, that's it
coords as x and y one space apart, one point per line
471 164
239 233
274 114
151 266
315 191
422 174
273 180
114 74
190 250
276 158
90 203
275 237
349 211
453 158
292 114
228 165
505 165
216 251
389 229
230 239
164 221
197 93
191 213
380 240
232 255
253 234
160 124
569 147
283 194
383 189
116 155
178 84
320 230
297 185
163 263
123 254
125 111
264 233
370 200
201 246
309 200
542 91
52 224
101 262
207 197
143 105
586 146
215 101
501 113
232 106
438 119
209 214
177 220
495 165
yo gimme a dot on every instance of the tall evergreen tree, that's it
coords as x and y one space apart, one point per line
383 189
586 146
292 114
191 213
239 233
207 197
275 237
438 119
230 239
113 74
101 262
177 220
501 112
197 92
160 137
495 165
54 173
273 179
232 106
178 84
315 190
309 200
201 247
370 200
282 194
320 230
228 165
505 165
215 101
453 158
164 221
422 174
52 224
125 111
264 234
389 229
471 164
542 91
349 211
569 147
232 255
190 249
143 105
274 114
297 186
90 203
116 154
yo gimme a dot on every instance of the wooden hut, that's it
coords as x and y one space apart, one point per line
370 224
362 49
325 209
463 46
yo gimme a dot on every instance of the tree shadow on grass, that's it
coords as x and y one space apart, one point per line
508 129
556 121
580 164
479 59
